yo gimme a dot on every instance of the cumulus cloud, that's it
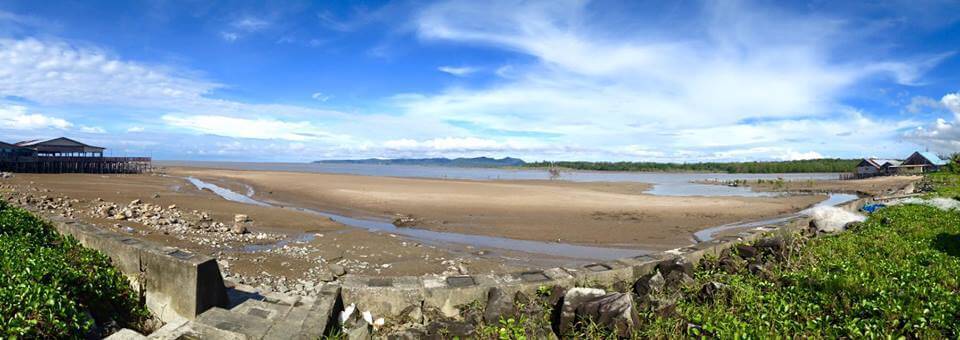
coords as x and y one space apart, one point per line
952 102
942 135
16 117
457 71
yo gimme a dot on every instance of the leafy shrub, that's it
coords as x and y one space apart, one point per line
895 275
52 287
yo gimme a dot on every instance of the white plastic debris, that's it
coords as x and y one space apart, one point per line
368 317
833 219
944 204
345 314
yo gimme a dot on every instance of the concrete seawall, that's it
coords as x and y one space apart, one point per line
175 284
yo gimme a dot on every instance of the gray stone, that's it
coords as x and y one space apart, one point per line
650 284
337 269
125 334
499 304
239 228
615 311
676 264
678 279
573 298
447 329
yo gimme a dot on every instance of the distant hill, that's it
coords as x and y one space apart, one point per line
479 162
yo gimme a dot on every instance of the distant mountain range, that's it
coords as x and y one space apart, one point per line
482 162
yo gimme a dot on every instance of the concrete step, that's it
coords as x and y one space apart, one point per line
256 319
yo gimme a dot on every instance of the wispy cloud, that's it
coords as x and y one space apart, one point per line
457 71
321 96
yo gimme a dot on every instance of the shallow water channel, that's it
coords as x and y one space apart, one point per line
577 253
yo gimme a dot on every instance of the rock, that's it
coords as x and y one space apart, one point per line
710 290
172 206
361 332
746 252
241 218
135 202
499 305
156 195
337 269
447 329
664 306
573 298
678 279
239 228
556 295
774 245
675 264
731 265
615 311
405 221
650 284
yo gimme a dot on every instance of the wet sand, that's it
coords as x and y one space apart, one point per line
358 251
608 214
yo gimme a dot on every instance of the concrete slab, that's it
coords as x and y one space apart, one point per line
126 334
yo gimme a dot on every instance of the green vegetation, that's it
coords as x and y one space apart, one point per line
52 287
812 165
895 275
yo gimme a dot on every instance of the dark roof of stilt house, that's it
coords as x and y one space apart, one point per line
61 144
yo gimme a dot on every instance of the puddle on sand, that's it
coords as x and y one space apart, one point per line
443 239
832 200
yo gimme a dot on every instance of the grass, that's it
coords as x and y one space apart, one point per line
894 276
52 287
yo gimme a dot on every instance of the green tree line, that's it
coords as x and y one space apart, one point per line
810 165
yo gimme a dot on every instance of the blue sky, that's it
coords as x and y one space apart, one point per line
557 80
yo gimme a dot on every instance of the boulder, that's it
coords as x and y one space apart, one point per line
615 311
650 284
573 298
241 218
499 305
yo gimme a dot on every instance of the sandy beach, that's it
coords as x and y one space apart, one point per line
611 214
286 244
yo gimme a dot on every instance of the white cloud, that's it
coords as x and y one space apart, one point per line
457 71
135 129
320 96
248 128
942 135
92 129
952 102
676 89
17 118
250 24
229 36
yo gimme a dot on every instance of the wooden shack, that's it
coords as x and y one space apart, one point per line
65 155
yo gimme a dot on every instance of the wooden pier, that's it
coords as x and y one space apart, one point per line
92 165
64 155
